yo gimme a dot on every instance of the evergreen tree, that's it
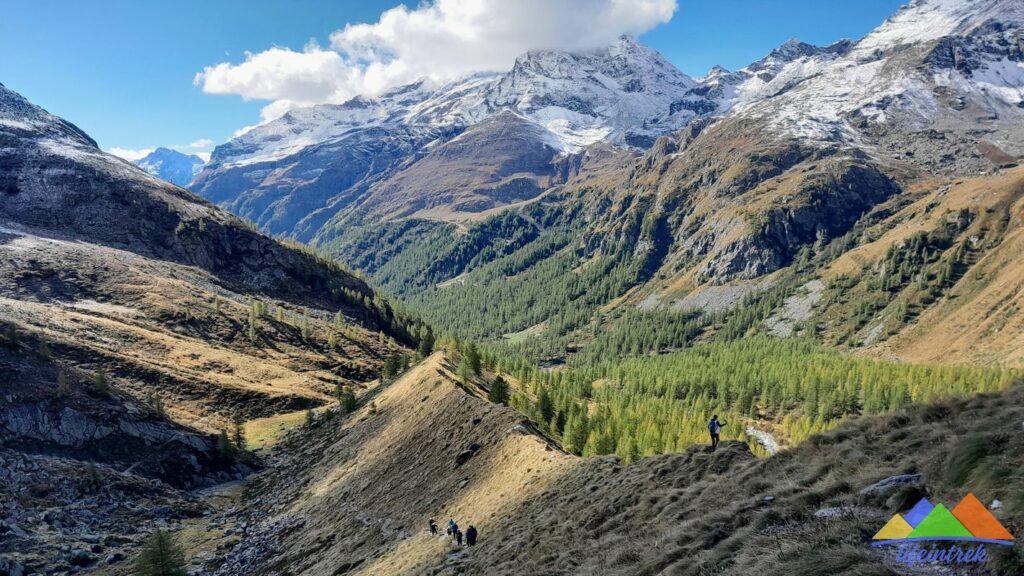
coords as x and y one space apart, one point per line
390 368
348 402
101 385
499 391
465 371
545 406
224 448
426 347
472 355
238 435
160 556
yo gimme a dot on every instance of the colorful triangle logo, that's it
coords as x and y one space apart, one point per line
918 512
969 520
981 523
895 529
940 523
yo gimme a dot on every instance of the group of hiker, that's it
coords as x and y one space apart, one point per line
455 533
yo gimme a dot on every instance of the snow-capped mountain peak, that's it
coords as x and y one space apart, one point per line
925 20
171 165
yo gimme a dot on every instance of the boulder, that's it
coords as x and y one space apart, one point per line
891 483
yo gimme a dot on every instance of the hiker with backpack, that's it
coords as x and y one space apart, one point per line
458 536
471 535
715 428
433 527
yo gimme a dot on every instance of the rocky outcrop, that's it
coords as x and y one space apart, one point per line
50 409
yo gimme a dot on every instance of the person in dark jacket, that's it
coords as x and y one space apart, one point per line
458 536
471 535
433 527
715 428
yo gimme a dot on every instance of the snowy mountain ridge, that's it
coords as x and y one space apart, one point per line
944 65
624 92
171 165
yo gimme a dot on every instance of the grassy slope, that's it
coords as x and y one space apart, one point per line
178 332
361 506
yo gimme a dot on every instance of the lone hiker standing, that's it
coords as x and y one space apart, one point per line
471 535
433 527
715 427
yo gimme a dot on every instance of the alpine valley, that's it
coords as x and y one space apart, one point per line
516 299
808 177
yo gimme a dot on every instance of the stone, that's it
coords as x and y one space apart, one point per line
80 558
11 568
891 483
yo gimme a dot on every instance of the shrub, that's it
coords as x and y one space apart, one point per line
101 385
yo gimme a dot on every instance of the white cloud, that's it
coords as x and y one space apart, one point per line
130 154
201 143
439 40
205 156
243 130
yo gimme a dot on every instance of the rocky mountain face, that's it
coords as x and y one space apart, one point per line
171 165
136 322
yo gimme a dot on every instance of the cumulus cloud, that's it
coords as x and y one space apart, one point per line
196 147
130 154
439 40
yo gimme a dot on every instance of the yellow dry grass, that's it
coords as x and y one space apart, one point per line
264 433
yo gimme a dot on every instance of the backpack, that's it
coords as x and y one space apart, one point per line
714 427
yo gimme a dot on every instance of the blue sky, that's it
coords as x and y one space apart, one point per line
123 70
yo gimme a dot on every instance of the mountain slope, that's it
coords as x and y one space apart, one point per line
171 165
379 475
137 321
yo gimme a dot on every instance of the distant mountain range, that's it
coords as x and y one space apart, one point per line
171 165
697 191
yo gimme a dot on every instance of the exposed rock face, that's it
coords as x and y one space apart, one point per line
40 417
61 515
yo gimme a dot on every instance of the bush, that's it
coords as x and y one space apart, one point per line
10 336
93 477
348 401
965 458
101 385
